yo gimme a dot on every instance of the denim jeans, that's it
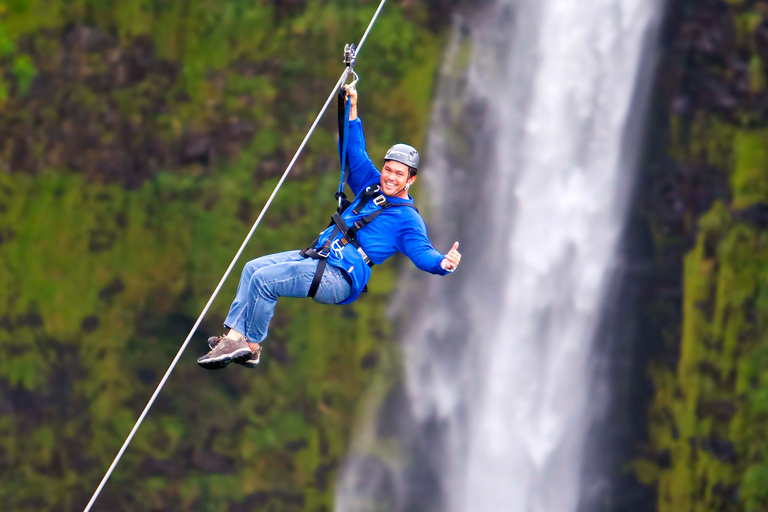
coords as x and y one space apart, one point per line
286 274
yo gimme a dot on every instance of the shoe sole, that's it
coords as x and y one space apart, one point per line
249 363
214 363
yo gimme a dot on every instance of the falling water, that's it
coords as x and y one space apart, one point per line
532 154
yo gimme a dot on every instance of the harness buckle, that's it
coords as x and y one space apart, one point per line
379 200
366 259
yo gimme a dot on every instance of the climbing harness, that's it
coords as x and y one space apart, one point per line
342 80
348 233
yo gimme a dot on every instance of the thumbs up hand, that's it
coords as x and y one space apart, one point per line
452 259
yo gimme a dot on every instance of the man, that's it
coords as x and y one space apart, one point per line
334 270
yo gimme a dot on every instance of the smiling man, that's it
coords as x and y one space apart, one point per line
381 221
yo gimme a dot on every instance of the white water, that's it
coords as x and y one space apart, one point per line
498 355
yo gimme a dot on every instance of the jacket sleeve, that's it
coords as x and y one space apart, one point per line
362 171
412 240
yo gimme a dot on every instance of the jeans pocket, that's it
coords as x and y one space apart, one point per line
326 292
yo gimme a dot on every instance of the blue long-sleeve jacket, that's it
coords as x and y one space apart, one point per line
396 229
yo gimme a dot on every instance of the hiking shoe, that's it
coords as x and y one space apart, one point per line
226 351
248 363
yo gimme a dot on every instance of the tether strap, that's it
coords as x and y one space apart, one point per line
344 108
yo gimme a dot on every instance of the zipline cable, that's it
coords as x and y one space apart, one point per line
340 82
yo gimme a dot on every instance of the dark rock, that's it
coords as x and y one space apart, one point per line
121 220
722 410
89 323
244 211
721 449
710 370
146 375
195 149
115 287
6 323
160 467
101 239
728 492
370 360
664 459
32 318
296 445
87 38
212 462
323 474
756 214
323 442
275 500
681 105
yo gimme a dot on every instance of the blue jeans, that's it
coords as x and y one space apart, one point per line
286 274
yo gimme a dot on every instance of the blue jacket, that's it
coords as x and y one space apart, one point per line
398 228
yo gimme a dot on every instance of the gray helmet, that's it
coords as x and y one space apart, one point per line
404 154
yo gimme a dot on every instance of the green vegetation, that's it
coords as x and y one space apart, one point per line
708 435
115 228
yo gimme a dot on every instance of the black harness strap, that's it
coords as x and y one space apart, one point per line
317 277
344 106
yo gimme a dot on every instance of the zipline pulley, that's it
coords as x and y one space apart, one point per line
350 54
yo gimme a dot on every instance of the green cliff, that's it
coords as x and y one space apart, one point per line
708 210
139 139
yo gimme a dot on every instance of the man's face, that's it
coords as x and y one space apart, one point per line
394 176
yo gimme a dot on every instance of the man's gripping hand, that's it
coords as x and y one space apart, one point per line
352 97
452 259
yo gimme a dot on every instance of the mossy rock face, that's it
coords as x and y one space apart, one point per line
138 142
707 424
749 179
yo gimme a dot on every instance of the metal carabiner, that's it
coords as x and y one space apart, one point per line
354 82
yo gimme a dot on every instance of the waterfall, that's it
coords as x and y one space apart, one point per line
532 153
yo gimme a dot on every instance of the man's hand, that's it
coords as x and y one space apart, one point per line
352 96
452 259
